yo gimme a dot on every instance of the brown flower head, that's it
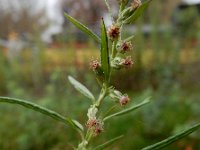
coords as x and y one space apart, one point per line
91 123
124 100
127 62
98 130
125 47
95 65
135 4
95 125
113 32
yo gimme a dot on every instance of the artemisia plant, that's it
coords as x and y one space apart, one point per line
114 55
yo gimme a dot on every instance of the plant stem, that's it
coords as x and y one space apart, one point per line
114 51
101 96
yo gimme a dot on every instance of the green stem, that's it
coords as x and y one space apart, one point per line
88 135
122 6
101 96
114 51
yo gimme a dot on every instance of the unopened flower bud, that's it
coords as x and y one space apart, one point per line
114 32
124 100
135 4
127 62
124 47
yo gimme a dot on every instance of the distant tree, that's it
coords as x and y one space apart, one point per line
21 16
94 9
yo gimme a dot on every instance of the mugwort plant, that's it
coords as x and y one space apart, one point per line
114 55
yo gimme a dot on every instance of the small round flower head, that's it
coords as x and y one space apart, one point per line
127 62
124 100
95 125
113 32
91 123
95 65
98 128
125 47
135 4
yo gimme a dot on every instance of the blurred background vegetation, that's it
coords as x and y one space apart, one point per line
38 52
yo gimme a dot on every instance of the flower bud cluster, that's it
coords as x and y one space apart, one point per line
121 47
95 125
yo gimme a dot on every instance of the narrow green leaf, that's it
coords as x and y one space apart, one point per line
81 88
128 110
42 110
105 60
172 139
106 144
137 12
82 27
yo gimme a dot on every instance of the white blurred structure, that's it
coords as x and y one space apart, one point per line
191 2
55 17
